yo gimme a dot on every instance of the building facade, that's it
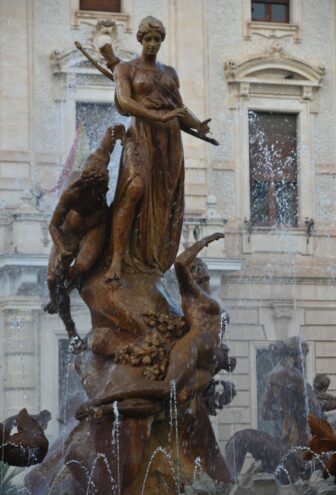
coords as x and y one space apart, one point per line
265 72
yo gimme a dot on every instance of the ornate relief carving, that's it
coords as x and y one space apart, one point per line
274 68
78 17
72 61
105 31
276 51
283 312
272 31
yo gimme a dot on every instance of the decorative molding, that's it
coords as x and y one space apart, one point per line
273 31
196 228
73 61
212 216
282 312
274 68
91 17
274 58
223 265
104 31
76 79
78 17
218 267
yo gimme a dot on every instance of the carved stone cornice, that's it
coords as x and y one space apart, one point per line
272 31
274 68
72 61
120 19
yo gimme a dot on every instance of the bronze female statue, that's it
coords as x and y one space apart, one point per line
141 339
148 206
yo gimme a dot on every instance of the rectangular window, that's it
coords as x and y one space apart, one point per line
273 169
95 117
100 5
270 10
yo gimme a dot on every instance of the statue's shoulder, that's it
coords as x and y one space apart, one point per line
171 73
168 68
123 69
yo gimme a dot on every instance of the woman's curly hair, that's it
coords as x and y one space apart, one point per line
94 175
148 24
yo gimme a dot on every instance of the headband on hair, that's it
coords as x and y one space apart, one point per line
150 23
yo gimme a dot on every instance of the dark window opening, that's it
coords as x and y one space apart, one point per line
270 11
273 169
101 5
95 118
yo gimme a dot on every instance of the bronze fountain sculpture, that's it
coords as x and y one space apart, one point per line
288 398
148 363
28 445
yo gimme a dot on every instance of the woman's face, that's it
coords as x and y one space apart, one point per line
151 43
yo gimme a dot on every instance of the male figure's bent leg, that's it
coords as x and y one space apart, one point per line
89 251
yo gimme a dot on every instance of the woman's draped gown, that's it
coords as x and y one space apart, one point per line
153 154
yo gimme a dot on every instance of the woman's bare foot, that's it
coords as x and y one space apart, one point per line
114 272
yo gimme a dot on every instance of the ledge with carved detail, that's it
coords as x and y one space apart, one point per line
273 31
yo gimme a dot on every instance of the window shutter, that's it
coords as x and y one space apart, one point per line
273 168
101 5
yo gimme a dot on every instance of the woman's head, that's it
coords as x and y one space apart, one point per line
149 24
